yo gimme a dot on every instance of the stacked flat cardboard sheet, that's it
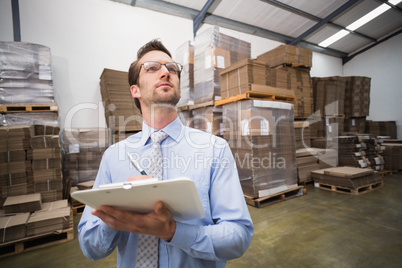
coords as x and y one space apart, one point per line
287 54
22 203
307 161
355 124
120 111
357 96
393 156
236 78
352 151
298 80
15 138
350 177
14 141
13 227
302 134
263 146
310 159
326 127
329 95
47 221
45 154
382 128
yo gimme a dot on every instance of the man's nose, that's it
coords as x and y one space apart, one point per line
164 71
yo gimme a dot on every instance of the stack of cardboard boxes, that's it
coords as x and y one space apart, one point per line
289 67
355 180
14 166
121 114
45 154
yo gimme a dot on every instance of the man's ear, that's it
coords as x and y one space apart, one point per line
135 91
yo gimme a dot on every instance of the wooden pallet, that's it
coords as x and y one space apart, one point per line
348 190
275 198
78 210
37 241
201 105
292 65
253 95
23 108
385 173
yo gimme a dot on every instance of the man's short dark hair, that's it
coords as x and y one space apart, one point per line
135 67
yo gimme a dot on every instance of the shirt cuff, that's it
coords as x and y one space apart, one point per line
184 236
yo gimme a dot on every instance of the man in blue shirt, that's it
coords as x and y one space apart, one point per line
225 233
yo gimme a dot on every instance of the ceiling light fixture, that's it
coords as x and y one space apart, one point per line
358 23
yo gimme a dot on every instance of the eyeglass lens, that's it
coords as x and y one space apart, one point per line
151 66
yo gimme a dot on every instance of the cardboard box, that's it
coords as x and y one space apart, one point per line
22 203
13 227
287 54
42 222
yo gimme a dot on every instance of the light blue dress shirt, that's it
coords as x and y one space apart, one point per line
225 233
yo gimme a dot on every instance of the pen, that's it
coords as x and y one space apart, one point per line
136 165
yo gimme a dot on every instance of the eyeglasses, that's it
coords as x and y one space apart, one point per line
153 66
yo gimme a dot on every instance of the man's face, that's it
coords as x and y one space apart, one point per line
161 86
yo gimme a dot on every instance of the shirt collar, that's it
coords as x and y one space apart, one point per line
174 130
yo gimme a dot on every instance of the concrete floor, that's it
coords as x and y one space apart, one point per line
319 229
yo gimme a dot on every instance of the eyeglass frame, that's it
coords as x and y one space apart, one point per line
160 66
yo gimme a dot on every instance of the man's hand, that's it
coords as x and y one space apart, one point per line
159 223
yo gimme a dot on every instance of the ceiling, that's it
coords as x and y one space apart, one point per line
304 23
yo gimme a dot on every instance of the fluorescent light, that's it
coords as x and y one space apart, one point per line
368 17
333 38
358 23
394 2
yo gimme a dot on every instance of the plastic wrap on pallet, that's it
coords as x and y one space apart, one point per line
82 151
185 56
261 136
214 51
25 73
15 119
208 119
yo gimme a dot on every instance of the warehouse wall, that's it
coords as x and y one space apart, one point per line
86 36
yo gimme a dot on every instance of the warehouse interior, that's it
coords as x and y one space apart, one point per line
276 46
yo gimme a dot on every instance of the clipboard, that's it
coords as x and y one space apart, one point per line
179 195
